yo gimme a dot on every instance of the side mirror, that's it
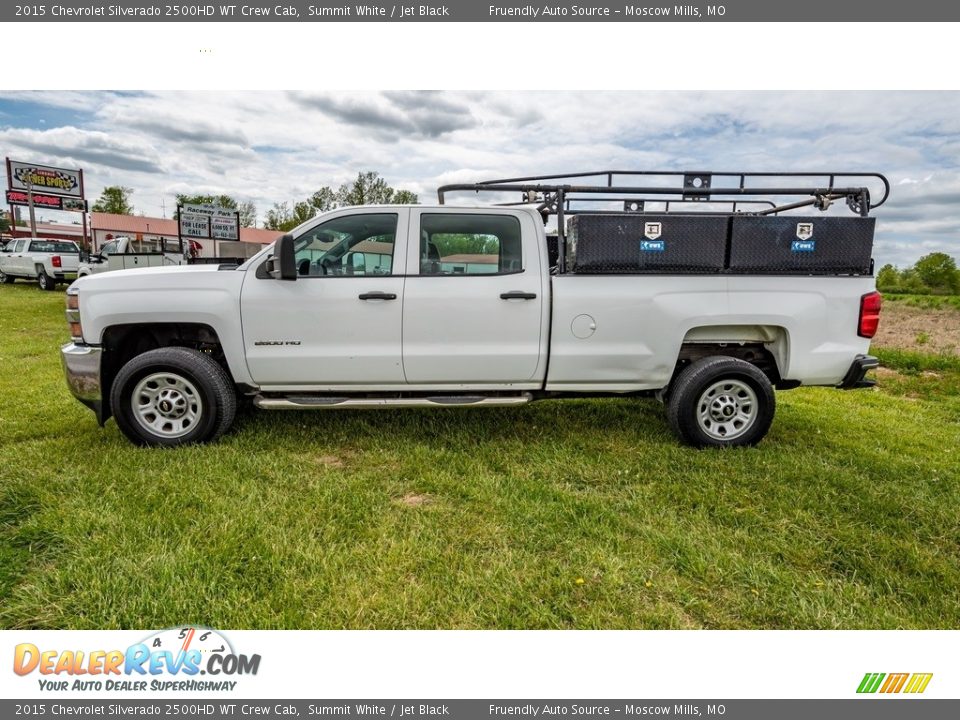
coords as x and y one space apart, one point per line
282 264
358 263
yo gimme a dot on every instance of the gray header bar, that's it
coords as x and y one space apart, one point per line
222 706
641 11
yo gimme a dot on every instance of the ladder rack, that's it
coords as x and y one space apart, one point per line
560 195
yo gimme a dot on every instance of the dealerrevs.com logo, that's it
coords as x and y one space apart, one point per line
172 659
891 683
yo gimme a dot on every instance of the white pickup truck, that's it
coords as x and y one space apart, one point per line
445 306
46 261
124 253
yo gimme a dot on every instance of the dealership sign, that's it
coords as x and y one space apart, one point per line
209 221
53 202
42 178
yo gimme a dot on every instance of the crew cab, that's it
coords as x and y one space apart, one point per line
47 261
708 310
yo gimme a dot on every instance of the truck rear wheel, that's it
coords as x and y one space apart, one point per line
721 402
45 281
173 396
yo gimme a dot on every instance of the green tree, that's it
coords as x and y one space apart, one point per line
324 199
888 279
279 217
282 217
114 199
938 271
4 223
371 189
248 213
368 189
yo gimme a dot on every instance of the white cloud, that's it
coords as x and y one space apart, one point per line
277 146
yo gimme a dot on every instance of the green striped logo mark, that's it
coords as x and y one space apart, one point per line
892 683
871 682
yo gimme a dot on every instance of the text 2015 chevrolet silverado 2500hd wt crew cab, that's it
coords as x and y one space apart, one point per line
48 261
708 308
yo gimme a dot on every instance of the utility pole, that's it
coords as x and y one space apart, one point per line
33 219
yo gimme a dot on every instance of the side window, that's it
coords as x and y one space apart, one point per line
360 244
18 246
468 244
109 248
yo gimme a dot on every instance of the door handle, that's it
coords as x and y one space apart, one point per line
518 295
377 296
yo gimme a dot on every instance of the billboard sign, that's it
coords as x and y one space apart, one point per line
44 179
53 202
209 221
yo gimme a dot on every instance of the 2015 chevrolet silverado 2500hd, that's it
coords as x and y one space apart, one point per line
709 308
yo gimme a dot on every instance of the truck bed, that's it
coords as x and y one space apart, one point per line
633 327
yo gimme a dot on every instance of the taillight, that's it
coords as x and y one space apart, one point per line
56 261
869 315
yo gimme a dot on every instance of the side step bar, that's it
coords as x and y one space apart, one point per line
322 402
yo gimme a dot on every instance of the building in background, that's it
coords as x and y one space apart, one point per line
107 226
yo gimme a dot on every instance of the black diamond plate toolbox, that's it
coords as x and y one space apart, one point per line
801 245
625 243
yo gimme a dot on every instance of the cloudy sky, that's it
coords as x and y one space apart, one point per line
270 147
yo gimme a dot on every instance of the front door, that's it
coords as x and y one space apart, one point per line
338 325
473 310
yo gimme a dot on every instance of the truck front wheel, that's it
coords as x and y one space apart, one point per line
721 402
6 279
173 396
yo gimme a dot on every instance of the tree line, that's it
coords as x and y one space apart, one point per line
933 274
368 189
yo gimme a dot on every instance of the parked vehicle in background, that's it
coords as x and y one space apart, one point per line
124 253
707 309
48 261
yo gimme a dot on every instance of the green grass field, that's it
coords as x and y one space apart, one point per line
583 514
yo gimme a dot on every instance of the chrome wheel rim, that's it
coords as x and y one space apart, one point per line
727 409
166 404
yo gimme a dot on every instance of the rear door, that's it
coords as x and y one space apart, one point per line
338 325
474 312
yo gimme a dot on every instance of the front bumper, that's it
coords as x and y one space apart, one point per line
81 365
855 377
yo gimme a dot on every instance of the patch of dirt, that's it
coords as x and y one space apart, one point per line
330 461
885 373
415 500
919 329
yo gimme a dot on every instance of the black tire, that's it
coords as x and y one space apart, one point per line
45 281
721 402
204 395
6 279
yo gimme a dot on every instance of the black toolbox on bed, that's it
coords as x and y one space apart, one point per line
625 243
793 245
633 243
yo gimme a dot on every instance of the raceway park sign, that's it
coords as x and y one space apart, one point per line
51 180
209 221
